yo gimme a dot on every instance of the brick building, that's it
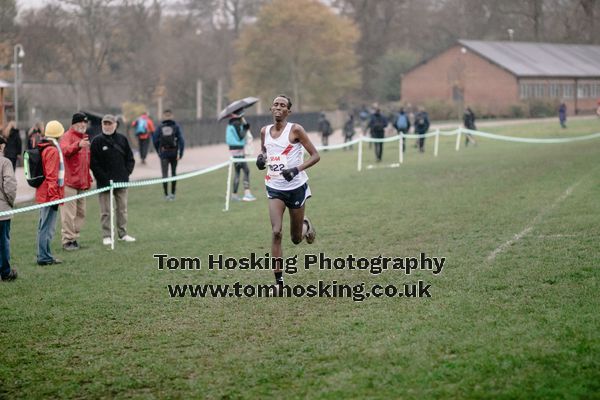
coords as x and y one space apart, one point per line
494 76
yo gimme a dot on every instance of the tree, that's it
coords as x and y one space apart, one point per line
531 12
389 70
301 48
376 20
8 13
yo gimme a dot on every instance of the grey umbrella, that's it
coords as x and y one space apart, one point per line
237 106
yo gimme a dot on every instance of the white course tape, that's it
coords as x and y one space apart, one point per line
339 146
449 133
116 185
359 140
51 203
531 140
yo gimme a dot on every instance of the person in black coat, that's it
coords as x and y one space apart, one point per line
169 144
14 147
349 129
469 122
324 127
377 125
421 127
112 159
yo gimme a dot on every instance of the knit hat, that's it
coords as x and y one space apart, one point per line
54 129
79 117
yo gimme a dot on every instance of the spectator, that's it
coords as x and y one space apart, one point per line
8 193
402 126
144 128
169 144
112 159
349 130
235 137
363 116
562 115
51 189
13 148
377 125
421 127
75 146
34 136
324 127
469 122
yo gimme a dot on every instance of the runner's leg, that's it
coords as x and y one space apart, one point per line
297 226
276 210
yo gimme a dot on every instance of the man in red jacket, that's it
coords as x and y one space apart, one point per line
75 146
51 189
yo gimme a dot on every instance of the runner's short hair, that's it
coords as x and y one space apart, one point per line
287 98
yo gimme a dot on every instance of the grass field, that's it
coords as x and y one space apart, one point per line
524 324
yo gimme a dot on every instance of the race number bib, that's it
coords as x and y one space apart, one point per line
275 165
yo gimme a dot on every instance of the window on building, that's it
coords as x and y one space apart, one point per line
539 90
568 90
554 90
583 90
594 90
523 91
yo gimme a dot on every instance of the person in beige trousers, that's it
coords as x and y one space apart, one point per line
75 146
112 160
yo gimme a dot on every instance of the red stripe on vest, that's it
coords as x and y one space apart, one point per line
287 150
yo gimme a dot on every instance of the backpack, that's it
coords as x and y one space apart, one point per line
168 139
141 125
32 164
402 122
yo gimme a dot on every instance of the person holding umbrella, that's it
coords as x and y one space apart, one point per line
282 148
237 107
237 136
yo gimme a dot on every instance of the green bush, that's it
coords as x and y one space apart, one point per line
441 109
517 111
542 108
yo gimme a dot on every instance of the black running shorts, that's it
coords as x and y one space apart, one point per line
294 198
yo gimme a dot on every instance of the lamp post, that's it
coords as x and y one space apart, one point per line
17 53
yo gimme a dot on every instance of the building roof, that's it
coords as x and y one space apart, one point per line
526 59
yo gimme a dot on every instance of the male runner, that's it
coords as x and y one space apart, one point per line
282 152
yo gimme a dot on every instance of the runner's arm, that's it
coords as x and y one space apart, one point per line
300 135
261 159
263 149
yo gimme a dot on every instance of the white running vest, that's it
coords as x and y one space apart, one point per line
281 154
